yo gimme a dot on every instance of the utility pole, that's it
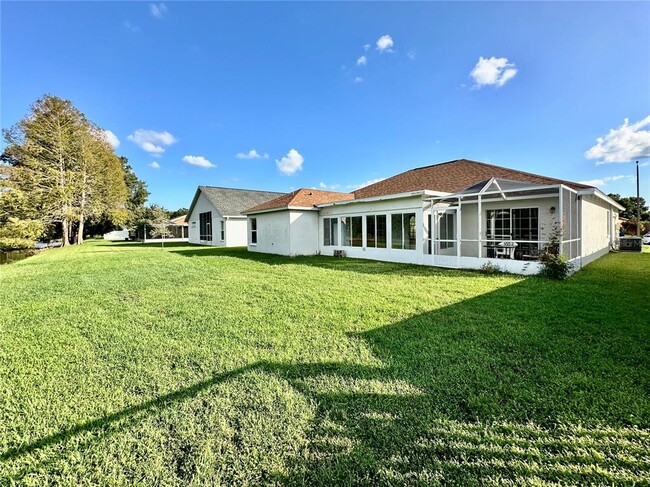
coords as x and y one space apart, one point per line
638 203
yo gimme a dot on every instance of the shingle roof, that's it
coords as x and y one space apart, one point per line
231 201
304 198
453 177
179 220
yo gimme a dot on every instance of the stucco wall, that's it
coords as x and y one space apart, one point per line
303 232
598 227
272 233
202 205
236 229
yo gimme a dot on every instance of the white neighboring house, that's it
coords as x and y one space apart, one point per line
459 214
215 216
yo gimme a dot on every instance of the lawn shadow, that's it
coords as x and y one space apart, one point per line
364 266
493 387
142 245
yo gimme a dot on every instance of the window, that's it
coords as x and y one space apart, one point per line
525 224
447 230
254 231
223 230
403 231
521 224
352 231
205 226
376 231
498 224
330 231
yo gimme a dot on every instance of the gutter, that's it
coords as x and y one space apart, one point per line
281 208
424 192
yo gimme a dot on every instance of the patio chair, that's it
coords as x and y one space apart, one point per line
505 250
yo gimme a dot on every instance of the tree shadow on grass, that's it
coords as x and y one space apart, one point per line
364 266
515 385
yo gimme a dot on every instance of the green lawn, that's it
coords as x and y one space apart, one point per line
126 364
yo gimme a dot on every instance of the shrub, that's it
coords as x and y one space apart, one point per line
490 268
20 234
555 266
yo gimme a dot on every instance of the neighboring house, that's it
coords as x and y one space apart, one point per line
458 214
215 216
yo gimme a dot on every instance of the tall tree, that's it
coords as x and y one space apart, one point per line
137 192
63 170
43 149
100 188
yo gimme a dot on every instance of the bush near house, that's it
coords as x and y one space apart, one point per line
122 364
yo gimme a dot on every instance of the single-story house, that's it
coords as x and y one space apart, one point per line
459 214
216 217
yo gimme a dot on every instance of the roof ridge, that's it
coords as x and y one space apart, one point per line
241 189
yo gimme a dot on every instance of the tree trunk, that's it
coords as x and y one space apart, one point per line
80 231
65 226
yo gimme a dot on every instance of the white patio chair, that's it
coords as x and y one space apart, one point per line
505 250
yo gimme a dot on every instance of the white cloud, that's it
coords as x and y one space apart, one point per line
251 154
385 43
152 141
367 183
358 79
112 139
622 144
154 165
290 163
198 161
362 61
411 55
158 10
492 72
329 187
130 27
603 181
366 47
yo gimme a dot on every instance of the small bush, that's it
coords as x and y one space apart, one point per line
555 266
490 268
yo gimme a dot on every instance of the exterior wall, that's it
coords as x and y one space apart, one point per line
203 205
386 207
272 233
598 228
303 232
236 229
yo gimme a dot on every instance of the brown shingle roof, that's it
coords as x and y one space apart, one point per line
304 198
452 177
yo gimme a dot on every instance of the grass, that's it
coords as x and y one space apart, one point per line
126 364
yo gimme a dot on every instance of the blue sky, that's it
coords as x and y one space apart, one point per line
529 86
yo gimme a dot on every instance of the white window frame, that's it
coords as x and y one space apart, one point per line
403 235
253 235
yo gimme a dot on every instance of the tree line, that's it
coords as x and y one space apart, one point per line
58 174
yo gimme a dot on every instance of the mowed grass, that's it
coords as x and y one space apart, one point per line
125 364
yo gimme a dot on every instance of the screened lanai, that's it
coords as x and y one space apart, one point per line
501 219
